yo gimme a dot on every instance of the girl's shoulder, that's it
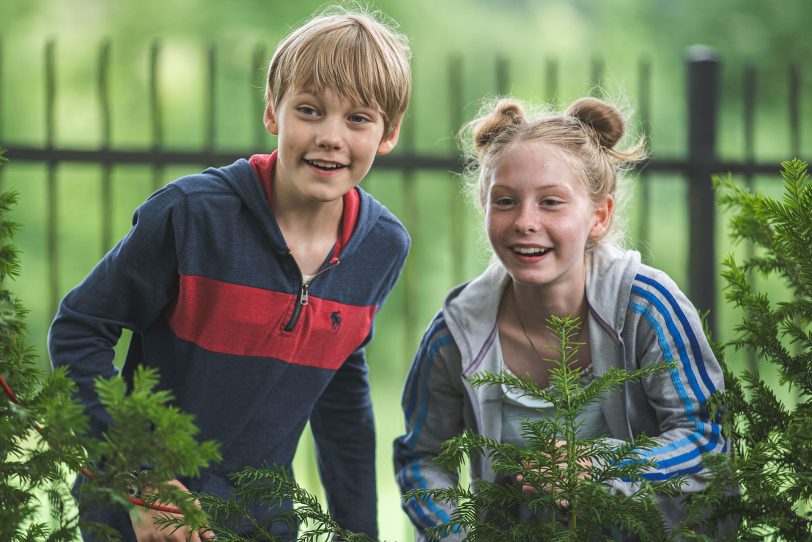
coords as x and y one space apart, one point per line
656 281
659 302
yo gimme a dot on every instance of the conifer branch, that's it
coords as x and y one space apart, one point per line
45 430
569 500
767 482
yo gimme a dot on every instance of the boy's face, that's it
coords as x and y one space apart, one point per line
326 145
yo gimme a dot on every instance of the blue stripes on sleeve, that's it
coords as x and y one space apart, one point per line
416 398
662 311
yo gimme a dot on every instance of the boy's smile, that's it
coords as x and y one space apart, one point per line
326 146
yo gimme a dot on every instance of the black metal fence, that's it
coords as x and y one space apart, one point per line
702 102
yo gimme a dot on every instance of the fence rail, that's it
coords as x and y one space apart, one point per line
398 162
702 97
703 101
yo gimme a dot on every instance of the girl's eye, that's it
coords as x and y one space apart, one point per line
502 202
550 202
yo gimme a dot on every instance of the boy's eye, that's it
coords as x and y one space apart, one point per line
358 119
307 110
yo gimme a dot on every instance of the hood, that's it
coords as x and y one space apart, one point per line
242 180
610 272
471 309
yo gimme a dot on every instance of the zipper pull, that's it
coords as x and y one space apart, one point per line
303 294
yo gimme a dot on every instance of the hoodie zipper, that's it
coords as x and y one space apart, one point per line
304 296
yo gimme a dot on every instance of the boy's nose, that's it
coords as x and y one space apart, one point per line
329 135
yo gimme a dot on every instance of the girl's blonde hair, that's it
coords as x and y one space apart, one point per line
587 133
352 53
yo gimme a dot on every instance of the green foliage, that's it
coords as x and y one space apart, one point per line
148 443
772 438
28 464
567 474
268 486
45 432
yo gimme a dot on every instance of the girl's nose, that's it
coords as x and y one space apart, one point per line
527 221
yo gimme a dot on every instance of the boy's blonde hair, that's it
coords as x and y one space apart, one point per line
351 53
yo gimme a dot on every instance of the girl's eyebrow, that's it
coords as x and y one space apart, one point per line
541 187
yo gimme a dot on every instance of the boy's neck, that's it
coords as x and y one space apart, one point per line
315 217
310 231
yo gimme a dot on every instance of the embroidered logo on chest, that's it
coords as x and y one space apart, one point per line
335 320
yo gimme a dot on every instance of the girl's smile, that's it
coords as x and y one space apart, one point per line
539 217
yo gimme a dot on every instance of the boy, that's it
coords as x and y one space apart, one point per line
252 288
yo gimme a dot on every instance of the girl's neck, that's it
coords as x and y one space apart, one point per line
539 303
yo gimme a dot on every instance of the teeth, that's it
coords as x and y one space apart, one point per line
532 251
325 165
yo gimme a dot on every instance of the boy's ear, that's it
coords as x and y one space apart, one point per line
389 141
269 119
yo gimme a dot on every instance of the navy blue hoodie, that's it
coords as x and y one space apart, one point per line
215 300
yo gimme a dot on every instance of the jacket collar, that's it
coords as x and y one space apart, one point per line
471 309
243 179
610 272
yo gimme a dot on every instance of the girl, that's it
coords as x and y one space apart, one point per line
548 186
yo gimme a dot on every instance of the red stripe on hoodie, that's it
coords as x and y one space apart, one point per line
246 321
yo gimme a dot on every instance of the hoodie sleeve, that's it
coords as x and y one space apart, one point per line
342 419
344 432
128 288
433 410
669 329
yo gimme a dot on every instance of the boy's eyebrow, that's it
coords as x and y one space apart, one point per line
314 94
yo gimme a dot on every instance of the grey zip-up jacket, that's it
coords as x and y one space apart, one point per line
637 316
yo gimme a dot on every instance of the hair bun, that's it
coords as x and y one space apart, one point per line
606 121
507 113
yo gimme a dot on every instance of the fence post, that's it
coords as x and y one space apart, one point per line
51 192
703 85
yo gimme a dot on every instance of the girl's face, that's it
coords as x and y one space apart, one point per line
539 217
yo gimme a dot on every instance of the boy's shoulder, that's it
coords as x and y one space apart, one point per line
216 180
382 223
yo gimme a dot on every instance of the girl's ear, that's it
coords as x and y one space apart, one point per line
602 218
269 119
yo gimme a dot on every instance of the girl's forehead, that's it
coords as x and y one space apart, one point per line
536 165
536 148
534 159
